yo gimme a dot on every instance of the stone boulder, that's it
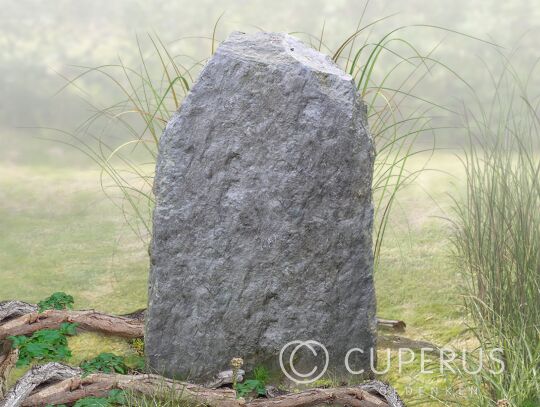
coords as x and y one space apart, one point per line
263 218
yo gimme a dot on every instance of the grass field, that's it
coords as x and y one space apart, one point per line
60 233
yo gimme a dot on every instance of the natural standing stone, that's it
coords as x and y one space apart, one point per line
263 218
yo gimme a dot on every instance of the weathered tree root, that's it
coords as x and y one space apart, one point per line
385 390
13 309
35 377
100 384
56 383
21 318
346 396
90 320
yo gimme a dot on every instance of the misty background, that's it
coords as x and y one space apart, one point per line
44 44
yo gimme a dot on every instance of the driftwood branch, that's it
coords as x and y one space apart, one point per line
99 385
385 391
55 383
347 396
13 309
35 377
90 320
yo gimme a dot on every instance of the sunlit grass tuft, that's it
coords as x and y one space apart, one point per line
497 239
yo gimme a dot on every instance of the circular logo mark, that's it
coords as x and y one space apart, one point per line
303 378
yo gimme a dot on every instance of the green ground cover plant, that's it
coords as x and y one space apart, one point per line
254 384
106 363
58 301
45 345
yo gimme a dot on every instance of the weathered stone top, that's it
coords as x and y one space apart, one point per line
278 49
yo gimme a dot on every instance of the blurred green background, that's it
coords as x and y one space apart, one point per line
41 43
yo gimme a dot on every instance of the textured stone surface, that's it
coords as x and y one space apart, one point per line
263 220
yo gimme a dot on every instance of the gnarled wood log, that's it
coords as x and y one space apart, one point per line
61 384
100 384
89 320
347 396
35 377
384 390
13 309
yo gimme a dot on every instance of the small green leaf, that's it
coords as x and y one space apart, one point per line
58 300
104 362
44 345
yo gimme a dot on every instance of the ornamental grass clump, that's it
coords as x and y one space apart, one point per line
497 240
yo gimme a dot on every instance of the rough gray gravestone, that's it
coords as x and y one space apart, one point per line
263 218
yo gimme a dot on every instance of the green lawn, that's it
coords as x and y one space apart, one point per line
60 233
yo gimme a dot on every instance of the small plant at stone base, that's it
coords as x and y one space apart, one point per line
256 384
106 363
44 345
242 389
58 300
